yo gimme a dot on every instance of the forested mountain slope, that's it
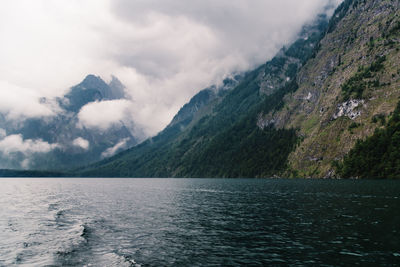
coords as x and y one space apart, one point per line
298 115
220 136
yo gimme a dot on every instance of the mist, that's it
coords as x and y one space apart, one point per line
162 51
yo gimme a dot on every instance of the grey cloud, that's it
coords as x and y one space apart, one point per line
164 51
251 28
3 133
180 47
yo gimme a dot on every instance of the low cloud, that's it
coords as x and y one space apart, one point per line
104 114
164 51
15 143
114 149
81 142
21 103
15 149
3 133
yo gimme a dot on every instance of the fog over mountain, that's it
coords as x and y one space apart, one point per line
85 127
162 51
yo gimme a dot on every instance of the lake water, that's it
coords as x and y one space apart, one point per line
193 222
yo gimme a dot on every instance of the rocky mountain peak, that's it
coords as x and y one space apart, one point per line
92 89
117 88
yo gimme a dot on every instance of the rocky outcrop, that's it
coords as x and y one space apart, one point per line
349 108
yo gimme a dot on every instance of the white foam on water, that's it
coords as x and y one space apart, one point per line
114 259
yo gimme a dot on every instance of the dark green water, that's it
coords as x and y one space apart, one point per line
193 222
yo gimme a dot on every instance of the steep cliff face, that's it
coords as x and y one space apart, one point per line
203 102
353 78
284 66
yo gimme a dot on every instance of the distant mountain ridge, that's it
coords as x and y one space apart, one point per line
73 144
92 89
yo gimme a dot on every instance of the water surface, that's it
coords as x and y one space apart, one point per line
175 222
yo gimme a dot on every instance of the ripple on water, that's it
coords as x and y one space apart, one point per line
116 259
133 222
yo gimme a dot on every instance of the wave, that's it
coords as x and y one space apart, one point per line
116 259
73 248
59 214
85 231
53 206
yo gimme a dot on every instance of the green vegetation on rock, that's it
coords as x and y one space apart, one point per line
378 156
355 86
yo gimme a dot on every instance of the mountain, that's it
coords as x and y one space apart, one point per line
346 93
92 89
326 106
61 142
216 133
202 100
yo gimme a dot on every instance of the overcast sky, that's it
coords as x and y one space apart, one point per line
164 51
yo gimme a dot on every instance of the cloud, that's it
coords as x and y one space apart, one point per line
3 133
104 114
20 103
164 51
15 143
112 150
17 151
80 142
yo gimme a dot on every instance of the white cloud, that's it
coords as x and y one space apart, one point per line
164 51
81 142
112 150
15 143
104 114
19 103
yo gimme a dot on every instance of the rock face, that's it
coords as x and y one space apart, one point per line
283 67
353 77
92 89
203 99
73 145
117 89
349 109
